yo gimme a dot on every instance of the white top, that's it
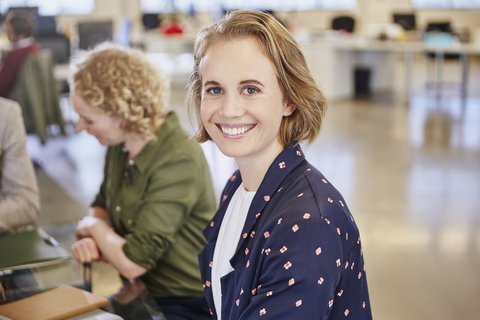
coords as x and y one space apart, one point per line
227 241
25 42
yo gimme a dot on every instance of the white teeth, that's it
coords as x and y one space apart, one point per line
236 131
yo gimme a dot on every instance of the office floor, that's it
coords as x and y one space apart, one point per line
410 175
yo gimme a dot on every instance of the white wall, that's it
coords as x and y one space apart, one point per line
367 12
381 11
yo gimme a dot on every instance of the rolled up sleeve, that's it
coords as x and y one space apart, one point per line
171 194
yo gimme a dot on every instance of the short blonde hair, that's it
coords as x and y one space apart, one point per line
121 82
278 45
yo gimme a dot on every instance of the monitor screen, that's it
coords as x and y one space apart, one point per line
407 21
92 33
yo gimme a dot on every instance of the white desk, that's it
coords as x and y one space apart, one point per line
333 61
95 315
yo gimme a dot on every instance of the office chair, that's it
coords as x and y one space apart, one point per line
407 21
151 20
35 89
58 44
92 33
46 25
343 23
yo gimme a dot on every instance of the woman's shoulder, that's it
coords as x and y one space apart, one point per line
308 197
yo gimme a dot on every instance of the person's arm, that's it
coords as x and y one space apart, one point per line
98 241
19 198
97 238
171 195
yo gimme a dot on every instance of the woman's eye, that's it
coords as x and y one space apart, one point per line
88 122
214 90
250 90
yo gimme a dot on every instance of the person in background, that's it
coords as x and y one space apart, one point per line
283 244
19 198
19 26
157 194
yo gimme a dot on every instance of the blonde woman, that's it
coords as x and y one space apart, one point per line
157 195
283 244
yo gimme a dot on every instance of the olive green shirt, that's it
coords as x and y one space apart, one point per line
160 201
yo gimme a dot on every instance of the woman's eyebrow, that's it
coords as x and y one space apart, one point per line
251 81
86 118
211 83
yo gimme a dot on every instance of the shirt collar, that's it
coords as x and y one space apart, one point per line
23 43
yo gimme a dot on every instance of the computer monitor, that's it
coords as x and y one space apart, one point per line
407 21
58 43
30 10
46 25
92 33
150 20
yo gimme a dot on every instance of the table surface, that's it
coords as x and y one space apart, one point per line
95 315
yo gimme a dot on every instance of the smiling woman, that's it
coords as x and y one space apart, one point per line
283 244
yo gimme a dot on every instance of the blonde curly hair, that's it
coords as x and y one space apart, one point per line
121 82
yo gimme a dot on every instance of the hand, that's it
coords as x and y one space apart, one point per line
86 250
82 230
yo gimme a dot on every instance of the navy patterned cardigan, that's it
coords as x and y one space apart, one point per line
299 256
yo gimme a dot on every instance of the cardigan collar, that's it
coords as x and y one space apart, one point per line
285 162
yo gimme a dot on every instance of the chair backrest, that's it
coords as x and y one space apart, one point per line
439 27
35 89
46 25
151 20
92 33
407 21
58 43
343 22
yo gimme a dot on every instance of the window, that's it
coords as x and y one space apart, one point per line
446 4
51 7
155 6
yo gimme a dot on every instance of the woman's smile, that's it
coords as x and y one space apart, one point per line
232 130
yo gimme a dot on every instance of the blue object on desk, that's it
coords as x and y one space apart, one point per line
442 39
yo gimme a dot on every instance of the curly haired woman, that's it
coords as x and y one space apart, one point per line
157 196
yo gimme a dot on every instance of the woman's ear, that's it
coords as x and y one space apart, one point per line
289 108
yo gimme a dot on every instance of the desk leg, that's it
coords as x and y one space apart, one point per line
464 62
439 57
87 276
408 60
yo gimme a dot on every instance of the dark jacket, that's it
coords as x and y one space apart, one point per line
299 256
11 62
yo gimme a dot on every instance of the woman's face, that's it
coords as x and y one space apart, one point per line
12 37
107 129
242 103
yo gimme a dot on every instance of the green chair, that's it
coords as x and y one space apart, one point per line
36 91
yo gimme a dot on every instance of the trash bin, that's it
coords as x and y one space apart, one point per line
362 82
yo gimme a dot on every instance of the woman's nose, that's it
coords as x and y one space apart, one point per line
231 107
80 125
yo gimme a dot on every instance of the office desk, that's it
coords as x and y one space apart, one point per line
91 315
333 61
95 315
